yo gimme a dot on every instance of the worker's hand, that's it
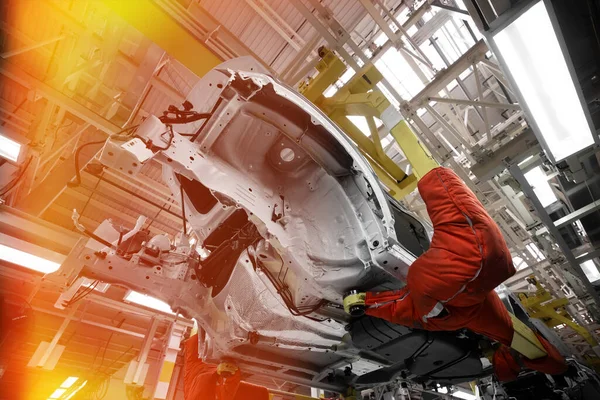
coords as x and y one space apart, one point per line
354 303
227 368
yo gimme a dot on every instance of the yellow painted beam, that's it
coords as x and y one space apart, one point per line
154 23
417 154
525 341
367 145
549 310
330 68
364 104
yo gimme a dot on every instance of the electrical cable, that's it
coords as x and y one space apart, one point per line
116 135
98 238
212 112
92 191
83 294
170 140
9 186
183 210
77 153
55 136
183 117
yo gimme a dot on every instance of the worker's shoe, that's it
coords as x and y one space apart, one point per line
354 303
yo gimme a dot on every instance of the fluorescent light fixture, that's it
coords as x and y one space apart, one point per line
76 390
147 301
57 393
69 382
464 395
531 52
27 260
539 182
590 270
9 149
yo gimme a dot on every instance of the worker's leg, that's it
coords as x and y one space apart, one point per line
395 306
507 363
492 320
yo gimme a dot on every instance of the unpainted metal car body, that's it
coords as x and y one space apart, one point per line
288 216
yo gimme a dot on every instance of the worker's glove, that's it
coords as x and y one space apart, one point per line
226 369
354 303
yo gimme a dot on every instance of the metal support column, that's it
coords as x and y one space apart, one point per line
144 351
165 378
57 336
517 173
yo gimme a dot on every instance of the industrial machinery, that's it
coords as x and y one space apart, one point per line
282 216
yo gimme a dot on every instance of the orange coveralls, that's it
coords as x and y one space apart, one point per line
467 259
201 381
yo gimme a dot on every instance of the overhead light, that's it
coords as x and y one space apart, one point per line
27 260
69 382
590 270
464 395
148 301
57 393
539 182
530 51
76 390
9 148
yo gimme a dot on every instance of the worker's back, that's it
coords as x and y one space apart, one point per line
468 256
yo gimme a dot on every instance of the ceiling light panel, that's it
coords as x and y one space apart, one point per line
530 50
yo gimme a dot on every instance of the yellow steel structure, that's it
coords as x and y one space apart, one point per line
551 311
360 97
525 341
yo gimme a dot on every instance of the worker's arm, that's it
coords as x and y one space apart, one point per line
194 364
396 306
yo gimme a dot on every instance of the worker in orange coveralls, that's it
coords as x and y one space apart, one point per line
451 286
204 381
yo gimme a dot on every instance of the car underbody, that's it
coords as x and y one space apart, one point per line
286 217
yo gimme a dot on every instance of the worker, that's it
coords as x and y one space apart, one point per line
451 286
203 381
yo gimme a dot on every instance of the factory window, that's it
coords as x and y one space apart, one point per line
591 270
399 73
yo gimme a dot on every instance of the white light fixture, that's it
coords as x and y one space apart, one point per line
530 50
27 260
539 182
147 301
69 382
9 149
590 270
74 392
464 395
57 393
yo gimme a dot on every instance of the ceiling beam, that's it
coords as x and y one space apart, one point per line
40 197
17 74
166 32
